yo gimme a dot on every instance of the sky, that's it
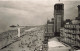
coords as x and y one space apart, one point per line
33 12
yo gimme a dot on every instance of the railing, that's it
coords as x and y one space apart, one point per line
49 34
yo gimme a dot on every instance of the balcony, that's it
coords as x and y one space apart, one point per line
49 34
68 32
70 28
78 40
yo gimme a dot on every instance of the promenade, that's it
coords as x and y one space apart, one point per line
30 40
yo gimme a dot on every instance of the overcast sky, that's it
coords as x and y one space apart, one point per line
32 12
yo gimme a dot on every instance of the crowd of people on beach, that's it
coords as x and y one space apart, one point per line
8 36
34 40
29 40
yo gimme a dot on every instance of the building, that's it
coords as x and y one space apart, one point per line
78 18
70 34
49 33
50 27
58 18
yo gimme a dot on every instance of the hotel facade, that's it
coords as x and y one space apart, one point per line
70 33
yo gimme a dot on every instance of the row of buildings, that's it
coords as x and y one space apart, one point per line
53 26
68 31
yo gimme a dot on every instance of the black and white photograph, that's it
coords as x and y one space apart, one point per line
39 25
